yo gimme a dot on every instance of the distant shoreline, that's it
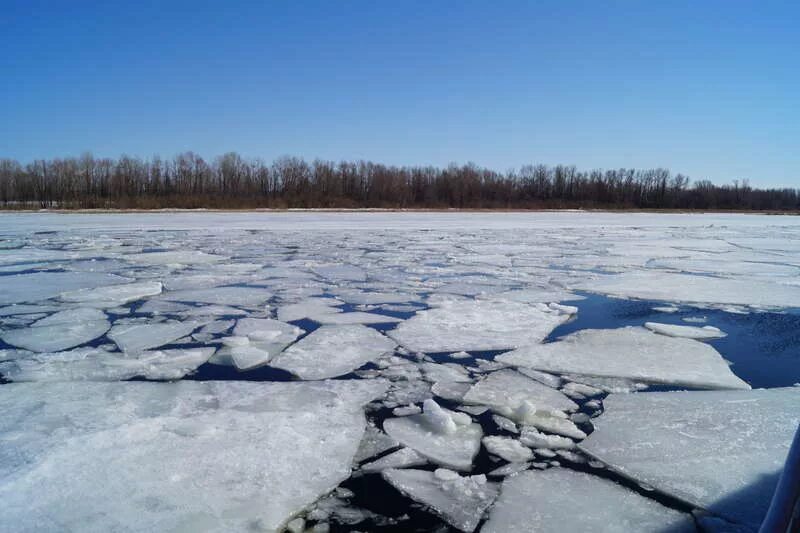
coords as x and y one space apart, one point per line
31 210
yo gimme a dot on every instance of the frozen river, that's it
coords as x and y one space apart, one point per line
395 371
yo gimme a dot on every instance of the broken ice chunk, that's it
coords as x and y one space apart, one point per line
508 449
257 340
632 353
509 470
373 443
505 424
438 435
402 458
719 450
355 317
687 332
333 351
308 308
507 393
135 338
530 436
461 501
237 296
558 499
42 285
450 391
59 331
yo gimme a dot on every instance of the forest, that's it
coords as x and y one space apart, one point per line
232 181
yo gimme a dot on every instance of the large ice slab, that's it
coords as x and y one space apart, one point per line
135 338
96 364
186 456
113 295
59 331
460 500
632 353
695 289
558 499
478 325
719 450
333 351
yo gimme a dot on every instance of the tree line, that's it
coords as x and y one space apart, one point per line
231 181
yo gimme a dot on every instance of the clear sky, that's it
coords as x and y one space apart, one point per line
708 88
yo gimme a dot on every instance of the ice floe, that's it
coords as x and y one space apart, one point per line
477 325
558 499
333 351
113 295
719 450
687 332
59 331
632 353
42 285
178 456
257 340
247 296
460 500
97 364
695 289
516 396
138 337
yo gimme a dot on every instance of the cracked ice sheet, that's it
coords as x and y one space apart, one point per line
719 450
333 351
477 325
694 289
177 456
632 353
461 501
558 499
59 331
96 364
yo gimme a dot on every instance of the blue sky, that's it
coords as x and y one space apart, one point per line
708 88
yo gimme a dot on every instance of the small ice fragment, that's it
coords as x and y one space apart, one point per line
406 410
687 332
